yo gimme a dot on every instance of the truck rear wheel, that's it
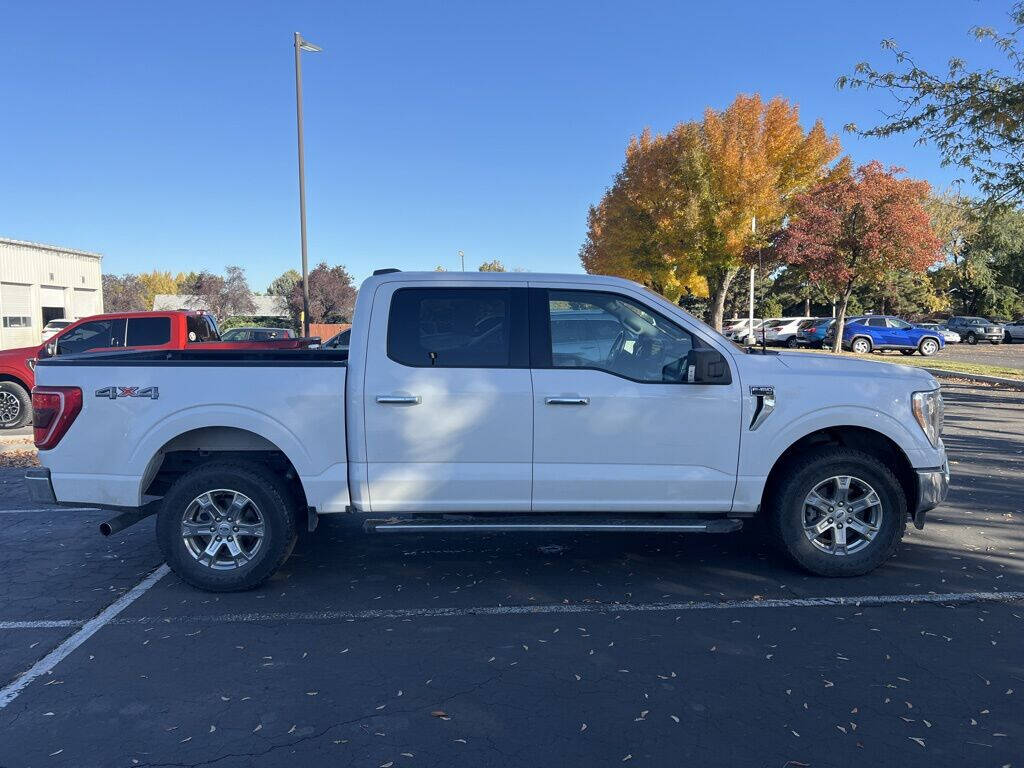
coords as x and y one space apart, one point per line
226 526
838 512
15 405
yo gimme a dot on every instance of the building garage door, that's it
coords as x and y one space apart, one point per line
16 324
51 299
86 303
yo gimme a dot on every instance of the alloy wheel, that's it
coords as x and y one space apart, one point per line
929 347
842 515
10 408
223 529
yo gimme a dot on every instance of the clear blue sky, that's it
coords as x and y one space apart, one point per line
163 134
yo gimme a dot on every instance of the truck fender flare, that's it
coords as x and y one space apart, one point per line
149 445
14 378
838 417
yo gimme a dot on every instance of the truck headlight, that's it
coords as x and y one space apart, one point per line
929 412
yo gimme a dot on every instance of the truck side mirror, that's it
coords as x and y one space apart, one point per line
49 350
706 366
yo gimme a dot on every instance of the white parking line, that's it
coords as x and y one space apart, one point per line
89 628
853 601
48 509
41 624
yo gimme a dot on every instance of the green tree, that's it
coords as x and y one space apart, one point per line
975 117
491 266
284 284
124 293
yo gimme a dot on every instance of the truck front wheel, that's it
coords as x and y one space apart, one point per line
838 512
226 526
15 405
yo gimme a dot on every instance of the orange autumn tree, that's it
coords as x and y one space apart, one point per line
634 231
679 212
858 229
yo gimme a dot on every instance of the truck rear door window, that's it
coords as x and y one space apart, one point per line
148 331
453 327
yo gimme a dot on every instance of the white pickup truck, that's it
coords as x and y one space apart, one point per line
493 402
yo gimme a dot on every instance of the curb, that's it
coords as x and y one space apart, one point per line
942 373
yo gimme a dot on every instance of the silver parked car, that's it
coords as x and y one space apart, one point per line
948 336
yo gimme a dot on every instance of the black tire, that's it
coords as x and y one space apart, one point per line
792 343
1007 338
861 341
907 352
785 508
927 347
970 338
269 494
996 341
15 405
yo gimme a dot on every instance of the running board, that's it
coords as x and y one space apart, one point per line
550 523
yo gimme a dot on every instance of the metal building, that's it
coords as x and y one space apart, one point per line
40 283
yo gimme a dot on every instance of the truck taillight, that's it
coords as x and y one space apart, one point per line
54 410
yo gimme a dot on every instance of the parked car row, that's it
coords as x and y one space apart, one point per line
178 329
875 332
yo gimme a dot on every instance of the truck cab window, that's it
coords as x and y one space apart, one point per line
200 330
616 334
450 327
148 331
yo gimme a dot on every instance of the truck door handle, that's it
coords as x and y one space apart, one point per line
567 400
399 399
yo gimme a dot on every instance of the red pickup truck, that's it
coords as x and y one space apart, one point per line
179 329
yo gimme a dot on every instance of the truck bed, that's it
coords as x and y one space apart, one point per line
139 408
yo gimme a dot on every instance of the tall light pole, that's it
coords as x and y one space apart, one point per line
300 46
462 260
750 328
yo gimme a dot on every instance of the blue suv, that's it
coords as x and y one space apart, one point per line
866 334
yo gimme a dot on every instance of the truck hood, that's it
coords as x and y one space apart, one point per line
20 354
834 365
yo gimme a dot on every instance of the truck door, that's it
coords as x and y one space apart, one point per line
616 429
447 400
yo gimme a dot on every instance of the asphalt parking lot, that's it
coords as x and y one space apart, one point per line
984 353
509 650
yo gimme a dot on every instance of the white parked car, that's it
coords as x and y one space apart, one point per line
1014 331
456 410
742 330
738 324
948 336
782 332
54 327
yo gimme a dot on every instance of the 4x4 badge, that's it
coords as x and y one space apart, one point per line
115 392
